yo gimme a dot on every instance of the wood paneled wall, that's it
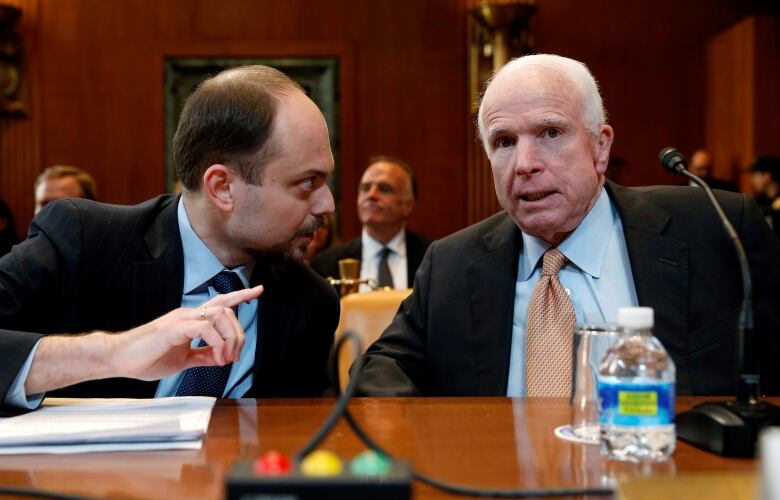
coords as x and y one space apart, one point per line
20 135
743 102
650 61
96 77
101 82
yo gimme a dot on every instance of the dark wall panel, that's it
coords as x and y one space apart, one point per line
97 83
102 85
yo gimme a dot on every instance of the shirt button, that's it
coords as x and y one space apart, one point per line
568 292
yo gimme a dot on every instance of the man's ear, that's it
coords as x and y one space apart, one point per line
603 146
408 207
216 186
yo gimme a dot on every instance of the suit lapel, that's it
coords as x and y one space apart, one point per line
277 319
354 249
158 280
659 265
415 250
491 280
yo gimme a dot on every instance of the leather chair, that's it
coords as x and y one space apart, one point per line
367 315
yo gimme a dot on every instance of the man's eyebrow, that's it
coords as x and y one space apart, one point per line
318 172
495 132
553 121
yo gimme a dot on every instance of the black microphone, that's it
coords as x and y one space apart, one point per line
728 428
672 160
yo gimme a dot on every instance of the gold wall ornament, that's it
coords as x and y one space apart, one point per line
497 31
11 76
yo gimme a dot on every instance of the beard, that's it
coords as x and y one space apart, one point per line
290 250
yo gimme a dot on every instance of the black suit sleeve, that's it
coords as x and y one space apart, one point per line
31 278
395 365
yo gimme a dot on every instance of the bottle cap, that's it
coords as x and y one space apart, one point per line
635 317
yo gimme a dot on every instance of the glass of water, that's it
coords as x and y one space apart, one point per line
591 342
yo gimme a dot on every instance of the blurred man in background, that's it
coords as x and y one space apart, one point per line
389 254
63 181
701 165
765 179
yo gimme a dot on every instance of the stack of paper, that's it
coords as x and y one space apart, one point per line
89 425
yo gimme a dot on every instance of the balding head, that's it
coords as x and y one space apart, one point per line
701 163
229 120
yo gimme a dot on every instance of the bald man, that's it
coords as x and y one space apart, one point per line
466 328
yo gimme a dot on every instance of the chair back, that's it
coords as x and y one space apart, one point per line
367 315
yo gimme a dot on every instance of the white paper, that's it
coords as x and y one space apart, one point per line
93 425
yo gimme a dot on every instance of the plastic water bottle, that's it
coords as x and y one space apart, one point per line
636 390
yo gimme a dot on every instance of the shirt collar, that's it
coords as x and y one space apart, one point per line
585 247
200 264
373 247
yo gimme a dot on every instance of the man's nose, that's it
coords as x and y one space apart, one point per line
527 158
324 203
373 191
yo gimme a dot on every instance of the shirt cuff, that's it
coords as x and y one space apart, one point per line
16 396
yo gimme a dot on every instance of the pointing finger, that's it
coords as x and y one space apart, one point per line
233 299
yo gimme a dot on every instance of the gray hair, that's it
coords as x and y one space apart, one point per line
593 113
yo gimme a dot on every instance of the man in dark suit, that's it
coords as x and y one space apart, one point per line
389 254
466 329
253 195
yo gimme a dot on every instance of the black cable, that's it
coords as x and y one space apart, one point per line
342 410
34 493
470 490
343 400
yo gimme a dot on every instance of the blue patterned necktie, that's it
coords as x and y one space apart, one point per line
211 380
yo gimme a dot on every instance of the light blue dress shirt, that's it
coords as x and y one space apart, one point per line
200 265
597 278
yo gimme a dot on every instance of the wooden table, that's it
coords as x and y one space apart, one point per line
496 442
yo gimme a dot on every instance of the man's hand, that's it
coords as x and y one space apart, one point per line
149 352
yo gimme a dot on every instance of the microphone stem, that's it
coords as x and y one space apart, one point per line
748 388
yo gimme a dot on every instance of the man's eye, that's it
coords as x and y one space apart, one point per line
308 183
551 133
503 142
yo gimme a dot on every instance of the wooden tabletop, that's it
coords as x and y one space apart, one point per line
491 442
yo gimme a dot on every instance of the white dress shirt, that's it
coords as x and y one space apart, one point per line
396 260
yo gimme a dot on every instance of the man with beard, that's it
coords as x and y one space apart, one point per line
253 155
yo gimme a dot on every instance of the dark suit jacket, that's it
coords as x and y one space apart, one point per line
452 336
88 266
327 262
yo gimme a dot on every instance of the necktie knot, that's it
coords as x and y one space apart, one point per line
226 282
552 262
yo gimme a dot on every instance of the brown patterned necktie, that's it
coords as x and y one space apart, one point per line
550 322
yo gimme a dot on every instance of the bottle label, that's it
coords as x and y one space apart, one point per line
636 404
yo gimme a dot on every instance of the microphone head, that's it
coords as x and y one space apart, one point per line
672 160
